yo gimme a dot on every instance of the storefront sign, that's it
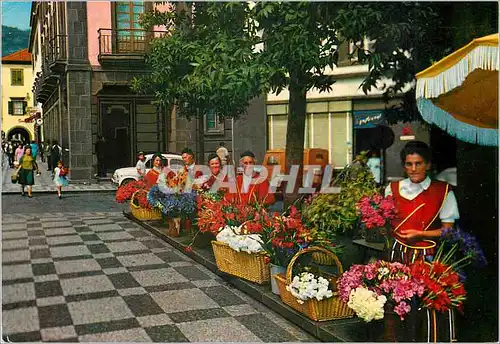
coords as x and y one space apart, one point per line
368 118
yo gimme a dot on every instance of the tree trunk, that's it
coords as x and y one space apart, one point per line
295 132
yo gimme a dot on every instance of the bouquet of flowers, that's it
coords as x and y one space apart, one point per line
443 277
376 213
176 181
173 205
283 235
367 289
214 215
308 286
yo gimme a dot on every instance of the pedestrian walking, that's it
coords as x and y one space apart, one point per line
48 151
25 172
34 149
18 154
60 180
141 166
10 153
223 153
100 150
41 150
55 154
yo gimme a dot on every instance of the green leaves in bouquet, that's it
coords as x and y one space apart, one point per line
335 214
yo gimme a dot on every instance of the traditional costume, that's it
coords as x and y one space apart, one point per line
421 206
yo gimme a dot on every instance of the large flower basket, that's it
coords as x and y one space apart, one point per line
249 266
324 310
143 214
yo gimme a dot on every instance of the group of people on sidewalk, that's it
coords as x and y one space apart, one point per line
249 186
24 162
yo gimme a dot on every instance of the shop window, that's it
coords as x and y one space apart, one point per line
213 125
17 107
16 77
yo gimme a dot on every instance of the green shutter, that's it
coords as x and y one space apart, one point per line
11 108
25 106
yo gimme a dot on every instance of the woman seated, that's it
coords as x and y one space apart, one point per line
151 178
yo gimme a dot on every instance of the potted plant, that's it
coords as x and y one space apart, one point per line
336 213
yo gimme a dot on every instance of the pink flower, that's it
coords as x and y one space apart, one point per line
402 309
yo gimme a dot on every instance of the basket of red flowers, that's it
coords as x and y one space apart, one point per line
136 192
140 207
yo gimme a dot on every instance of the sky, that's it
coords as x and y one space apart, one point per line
16 14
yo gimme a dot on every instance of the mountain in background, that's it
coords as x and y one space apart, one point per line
14 39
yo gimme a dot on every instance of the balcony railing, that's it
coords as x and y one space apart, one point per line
56 49
126 41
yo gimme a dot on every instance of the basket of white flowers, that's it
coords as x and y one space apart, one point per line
241 255
314 296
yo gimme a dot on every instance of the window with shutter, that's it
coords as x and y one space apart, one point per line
17 107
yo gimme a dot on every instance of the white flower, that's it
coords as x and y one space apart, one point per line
367 304
307 286
247 243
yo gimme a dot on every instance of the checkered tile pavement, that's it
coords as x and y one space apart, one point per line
97 277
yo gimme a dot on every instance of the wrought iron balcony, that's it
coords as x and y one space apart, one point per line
56 50
125 44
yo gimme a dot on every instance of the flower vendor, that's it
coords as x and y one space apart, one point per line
190 167
216 176
424 207
250 185
152 176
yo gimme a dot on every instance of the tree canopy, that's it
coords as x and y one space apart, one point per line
218 56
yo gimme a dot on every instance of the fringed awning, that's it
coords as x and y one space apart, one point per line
459 93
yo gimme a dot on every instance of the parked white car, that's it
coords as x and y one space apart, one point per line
127 174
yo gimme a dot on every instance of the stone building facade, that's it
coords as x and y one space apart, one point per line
89 53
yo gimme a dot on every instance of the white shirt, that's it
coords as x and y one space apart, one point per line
409 191
246 182
141 166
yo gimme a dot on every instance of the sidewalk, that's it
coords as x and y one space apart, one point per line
44 183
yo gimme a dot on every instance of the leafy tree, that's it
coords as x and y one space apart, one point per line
210 60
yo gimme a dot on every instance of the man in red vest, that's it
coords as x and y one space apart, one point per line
424 207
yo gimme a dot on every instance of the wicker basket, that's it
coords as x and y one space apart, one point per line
324 310
143 214
249 266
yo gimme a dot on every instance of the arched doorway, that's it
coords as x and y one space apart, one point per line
19 134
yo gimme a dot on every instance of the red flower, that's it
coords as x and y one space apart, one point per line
459 290
267 260
188 249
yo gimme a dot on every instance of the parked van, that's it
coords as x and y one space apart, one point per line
311 156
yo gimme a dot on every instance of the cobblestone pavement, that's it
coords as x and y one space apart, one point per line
97 277
45 183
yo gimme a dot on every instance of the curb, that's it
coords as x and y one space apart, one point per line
342 330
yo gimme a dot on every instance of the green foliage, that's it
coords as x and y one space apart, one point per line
14 39
336 213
